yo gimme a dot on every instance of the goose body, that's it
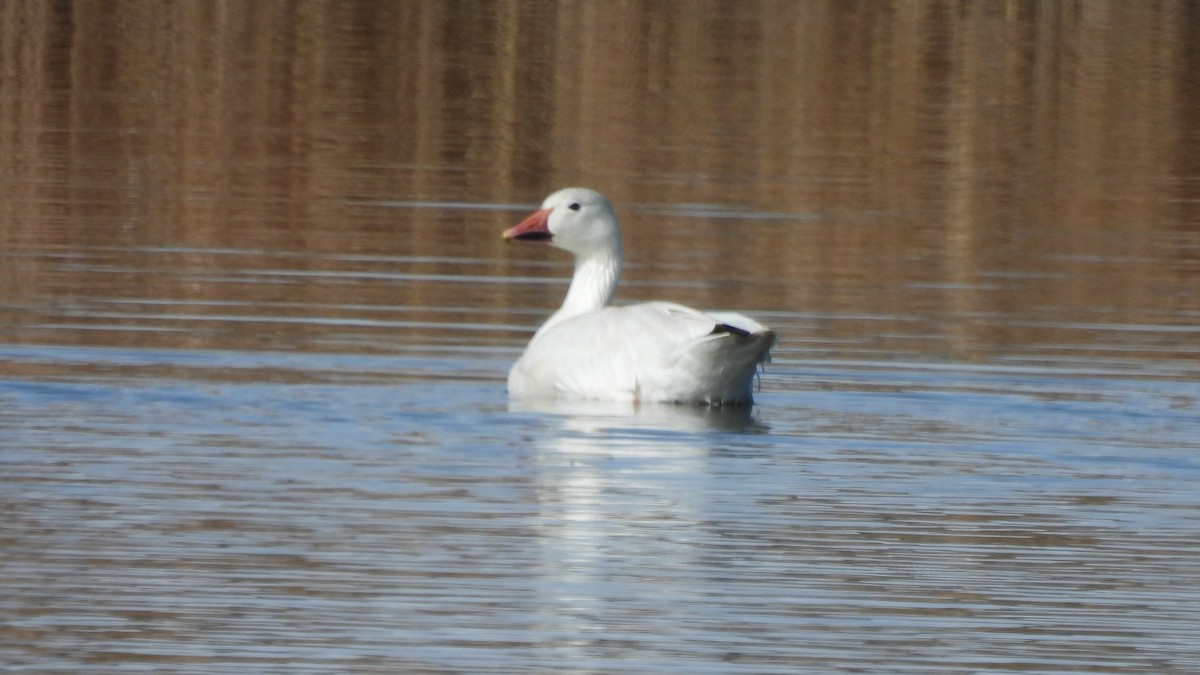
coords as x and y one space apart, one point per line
647 352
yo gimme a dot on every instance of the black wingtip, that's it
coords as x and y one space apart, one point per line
726 328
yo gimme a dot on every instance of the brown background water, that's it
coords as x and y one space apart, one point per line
255 316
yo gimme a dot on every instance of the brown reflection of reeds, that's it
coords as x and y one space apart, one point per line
941 141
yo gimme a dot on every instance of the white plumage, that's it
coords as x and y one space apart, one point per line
648 352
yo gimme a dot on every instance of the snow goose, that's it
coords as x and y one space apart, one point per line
648 352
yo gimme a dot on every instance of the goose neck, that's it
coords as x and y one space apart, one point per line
592 288
593 284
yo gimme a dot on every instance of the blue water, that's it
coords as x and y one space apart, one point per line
861 517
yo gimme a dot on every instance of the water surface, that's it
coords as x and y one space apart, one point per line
256 316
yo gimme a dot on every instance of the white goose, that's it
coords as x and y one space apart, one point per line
649 352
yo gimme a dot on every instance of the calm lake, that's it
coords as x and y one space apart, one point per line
256 318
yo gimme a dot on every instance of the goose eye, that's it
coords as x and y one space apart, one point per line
574 206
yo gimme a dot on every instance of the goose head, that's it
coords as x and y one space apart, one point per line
577 220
